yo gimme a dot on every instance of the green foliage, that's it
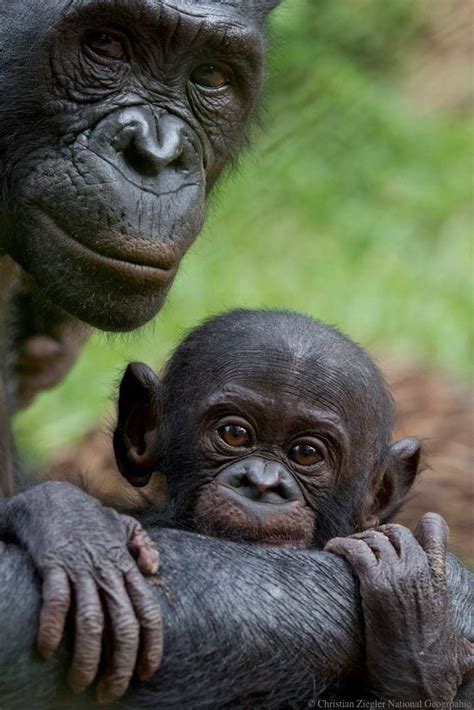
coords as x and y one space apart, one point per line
352 207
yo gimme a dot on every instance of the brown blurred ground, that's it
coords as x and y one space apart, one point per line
439 73
432 406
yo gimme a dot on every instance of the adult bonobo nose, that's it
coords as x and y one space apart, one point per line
150 147
261 481
148 142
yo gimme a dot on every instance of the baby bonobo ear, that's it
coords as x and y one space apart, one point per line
136 435
390 490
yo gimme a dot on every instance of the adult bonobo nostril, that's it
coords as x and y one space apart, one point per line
149 143
262 481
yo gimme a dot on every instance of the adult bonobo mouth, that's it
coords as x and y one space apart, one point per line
125 115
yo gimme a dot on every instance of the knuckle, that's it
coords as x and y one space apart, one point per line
127 629
91 622
57 605
151 617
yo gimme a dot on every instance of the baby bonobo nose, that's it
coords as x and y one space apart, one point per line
262 481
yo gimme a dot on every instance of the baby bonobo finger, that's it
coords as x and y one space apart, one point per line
356 552
432 533
151 623
125 631
141 546
56 602
89 631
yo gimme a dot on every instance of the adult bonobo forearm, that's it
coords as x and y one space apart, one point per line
242 624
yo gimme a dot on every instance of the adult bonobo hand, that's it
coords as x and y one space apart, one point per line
404 592
46 343
91 563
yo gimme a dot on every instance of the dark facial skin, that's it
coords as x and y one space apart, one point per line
121 118
273 428
116 120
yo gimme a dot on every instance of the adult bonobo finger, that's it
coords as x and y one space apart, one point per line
37 350
151 623
56 602
88 639
356 552
141 546
432 533
125 632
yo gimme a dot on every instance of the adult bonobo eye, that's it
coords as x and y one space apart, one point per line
211 76
108 44
235 435
305 454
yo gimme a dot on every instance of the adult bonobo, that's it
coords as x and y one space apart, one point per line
116 119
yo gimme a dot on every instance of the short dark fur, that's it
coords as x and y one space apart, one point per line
288 379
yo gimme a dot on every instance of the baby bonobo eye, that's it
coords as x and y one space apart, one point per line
305 454
211 76
108 44
235 435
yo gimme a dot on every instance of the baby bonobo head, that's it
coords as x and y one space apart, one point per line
270 427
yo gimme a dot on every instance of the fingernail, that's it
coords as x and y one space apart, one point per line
77 689
103 696
144 674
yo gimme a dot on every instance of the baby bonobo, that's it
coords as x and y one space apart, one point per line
273 428
270 427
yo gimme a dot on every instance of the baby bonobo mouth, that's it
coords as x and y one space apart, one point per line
245 514
267 425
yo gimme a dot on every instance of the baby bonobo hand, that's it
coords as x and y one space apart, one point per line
92 556
413 650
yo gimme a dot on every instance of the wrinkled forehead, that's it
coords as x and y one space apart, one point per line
278 380
160 9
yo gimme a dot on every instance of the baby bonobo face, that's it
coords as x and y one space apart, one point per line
269 458
270 427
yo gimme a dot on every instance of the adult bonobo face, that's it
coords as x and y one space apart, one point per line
117 118
270 427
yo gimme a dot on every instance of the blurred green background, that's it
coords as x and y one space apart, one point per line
353 206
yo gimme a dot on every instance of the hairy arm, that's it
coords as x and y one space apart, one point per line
241 623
